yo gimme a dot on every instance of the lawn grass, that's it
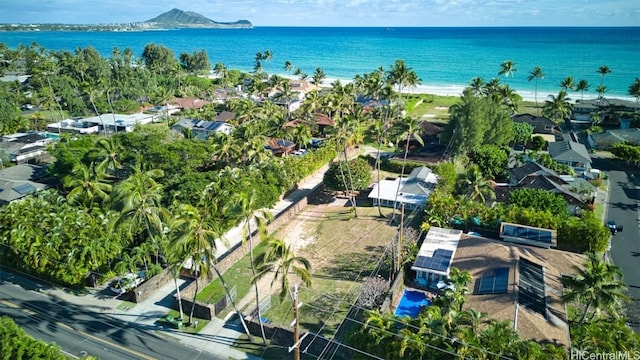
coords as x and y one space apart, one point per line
201 323
345 251
50 116
126 305
238 275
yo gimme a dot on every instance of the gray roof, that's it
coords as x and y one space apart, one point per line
21 180
416 182
531 168
610 137
23 172
594 103
569 151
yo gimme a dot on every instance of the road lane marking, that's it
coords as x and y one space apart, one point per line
71 329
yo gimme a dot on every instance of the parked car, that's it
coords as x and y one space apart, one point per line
613 227
127 282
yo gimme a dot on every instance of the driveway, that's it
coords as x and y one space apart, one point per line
624 197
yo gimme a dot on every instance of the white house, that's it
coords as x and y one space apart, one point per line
433 262
414 189
112 123
202 129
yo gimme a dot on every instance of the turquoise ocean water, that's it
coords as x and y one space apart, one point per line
444 58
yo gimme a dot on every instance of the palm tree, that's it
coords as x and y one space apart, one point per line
288 66
92 94
634 89
603 70
582 86
107 151
507 68
221 70
408 128
86 185
195 236
601 90
477 85
162 96
246 206
536 74
558 108
138 199
318 76
402 76
567 83
598 284
476 186
279 259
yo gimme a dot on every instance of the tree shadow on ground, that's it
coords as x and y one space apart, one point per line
349 266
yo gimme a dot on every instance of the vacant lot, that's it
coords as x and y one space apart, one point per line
342 249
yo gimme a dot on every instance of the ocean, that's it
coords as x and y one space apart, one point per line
445 59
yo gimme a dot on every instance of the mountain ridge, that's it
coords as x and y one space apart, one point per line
177 18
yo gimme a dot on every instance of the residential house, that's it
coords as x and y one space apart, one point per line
571 153
605 140
23 147
576 191
189 103
434 259
320 120
202 129
414 190
96 124
280 147
610 110
518 283
542 126
19 181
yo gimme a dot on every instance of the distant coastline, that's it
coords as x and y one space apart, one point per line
446 59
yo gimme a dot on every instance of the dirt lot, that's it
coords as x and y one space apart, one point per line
342 249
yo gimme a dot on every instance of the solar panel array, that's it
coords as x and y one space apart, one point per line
543 235
532 287
496 283
24 189
438 262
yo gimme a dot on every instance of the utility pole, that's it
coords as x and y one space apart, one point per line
296 326
400 239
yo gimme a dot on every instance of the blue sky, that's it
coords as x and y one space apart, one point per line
337 12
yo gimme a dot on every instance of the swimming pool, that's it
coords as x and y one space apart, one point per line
411 303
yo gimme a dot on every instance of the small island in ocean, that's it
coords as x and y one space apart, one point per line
172 19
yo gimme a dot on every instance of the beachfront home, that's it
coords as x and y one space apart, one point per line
610 111
189 103
414 190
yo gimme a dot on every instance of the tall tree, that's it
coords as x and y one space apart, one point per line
603 70
582 86
634 89
279 259
475 186
318 76
567 83
507 68
599 285
139 201
558 108
536 74
477 85
408 129
402 76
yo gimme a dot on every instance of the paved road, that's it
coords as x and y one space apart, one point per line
78 331
624 197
